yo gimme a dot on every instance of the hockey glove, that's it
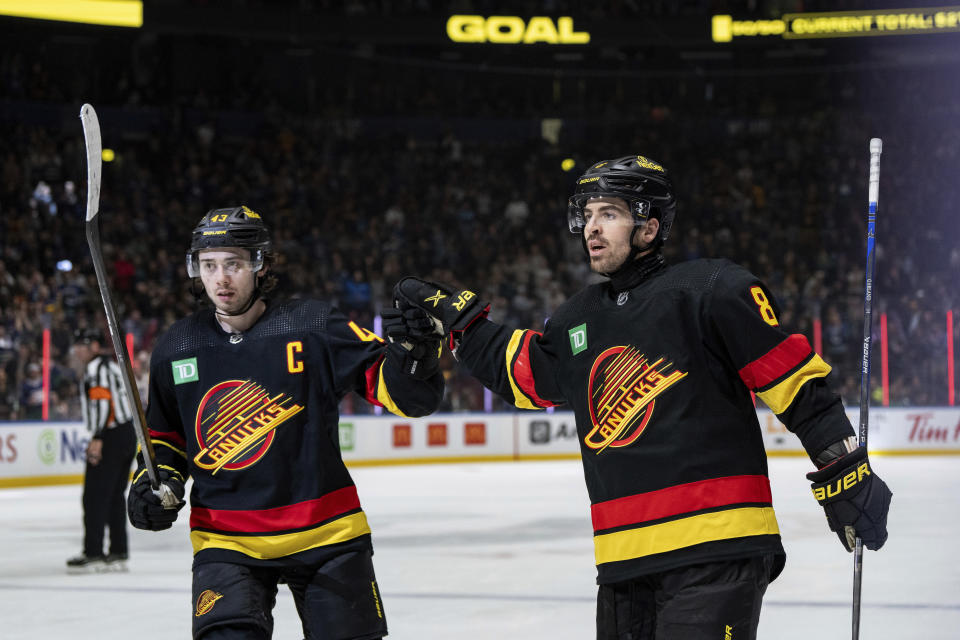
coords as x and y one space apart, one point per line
454 309
145 507
416 337
855 500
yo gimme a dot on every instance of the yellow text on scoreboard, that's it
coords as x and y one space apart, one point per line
514 30
840 24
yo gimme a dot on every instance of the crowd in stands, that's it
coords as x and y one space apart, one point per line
778 189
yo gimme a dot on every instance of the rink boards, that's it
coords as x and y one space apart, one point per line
38 453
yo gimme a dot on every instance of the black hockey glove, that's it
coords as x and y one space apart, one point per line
416 337
145 507
454 309
855 500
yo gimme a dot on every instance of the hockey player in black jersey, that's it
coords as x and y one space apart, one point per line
658 364
244 399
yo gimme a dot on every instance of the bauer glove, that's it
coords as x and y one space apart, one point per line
146 508
454 309
855 500
416 337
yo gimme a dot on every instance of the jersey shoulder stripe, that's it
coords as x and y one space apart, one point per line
520 371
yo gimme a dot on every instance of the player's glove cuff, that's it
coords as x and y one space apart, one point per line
854 499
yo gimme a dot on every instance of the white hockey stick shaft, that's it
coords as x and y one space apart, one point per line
94 146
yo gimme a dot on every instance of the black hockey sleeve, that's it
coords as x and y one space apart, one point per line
518 365
163 422
359 360
781 368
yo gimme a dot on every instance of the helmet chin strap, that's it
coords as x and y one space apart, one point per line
634 249
254 296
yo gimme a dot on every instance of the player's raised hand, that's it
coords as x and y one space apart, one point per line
418 337
455 309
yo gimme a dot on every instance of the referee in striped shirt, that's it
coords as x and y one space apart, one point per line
109 420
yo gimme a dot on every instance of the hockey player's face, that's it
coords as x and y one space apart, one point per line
228 278
609 225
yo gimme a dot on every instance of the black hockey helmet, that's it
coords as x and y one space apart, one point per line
642 182
230 227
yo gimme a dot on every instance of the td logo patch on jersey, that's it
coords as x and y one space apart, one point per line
185 371
578 338
622 389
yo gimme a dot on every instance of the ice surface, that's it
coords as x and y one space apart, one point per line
499 550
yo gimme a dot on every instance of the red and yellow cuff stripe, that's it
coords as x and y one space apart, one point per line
332 518
376 391
172 439
169 439
748 512
520 371
778 375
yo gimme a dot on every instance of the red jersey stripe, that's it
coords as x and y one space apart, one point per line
293 516
523 372
372 375
170 436
776 363
684 498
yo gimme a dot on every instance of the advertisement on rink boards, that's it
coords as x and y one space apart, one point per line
39 453
390 439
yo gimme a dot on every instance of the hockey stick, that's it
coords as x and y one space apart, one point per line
873 193
91 136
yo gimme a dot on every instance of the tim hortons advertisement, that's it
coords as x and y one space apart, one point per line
892 431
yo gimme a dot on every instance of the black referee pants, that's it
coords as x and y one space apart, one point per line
104 504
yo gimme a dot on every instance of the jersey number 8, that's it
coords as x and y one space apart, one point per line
766 310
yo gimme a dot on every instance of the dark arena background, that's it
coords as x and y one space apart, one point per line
381 139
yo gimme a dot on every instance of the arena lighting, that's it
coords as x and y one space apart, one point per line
115 13
841 24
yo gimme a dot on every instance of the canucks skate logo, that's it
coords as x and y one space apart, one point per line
236 424
622 389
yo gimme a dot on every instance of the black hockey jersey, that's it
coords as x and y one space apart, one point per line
659 378
253 418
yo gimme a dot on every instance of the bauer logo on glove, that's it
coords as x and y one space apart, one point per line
833 489
854 498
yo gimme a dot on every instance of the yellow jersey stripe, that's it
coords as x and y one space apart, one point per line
267 547
519 399
780 396
685 532
383 395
